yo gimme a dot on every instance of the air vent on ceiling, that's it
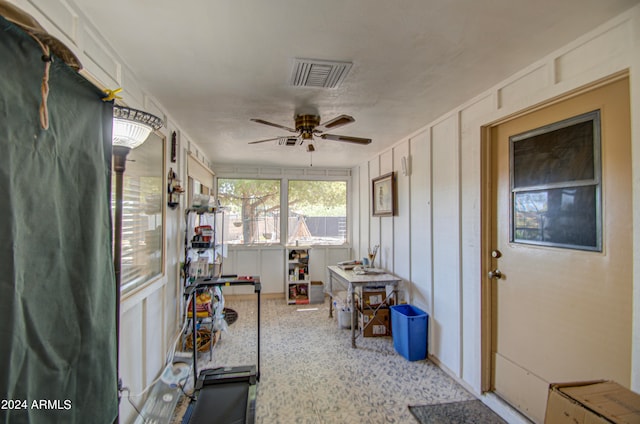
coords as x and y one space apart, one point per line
318 73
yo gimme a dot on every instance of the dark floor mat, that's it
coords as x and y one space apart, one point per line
464 412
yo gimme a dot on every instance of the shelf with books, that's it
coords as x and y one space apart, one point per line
297 272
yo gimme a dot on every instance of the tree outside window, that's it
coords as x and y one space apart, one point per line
252 210
317 211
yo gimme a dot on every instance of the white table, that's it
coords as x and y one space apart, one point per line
349 280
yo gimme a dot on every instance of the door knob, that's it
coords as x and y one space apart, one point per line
495 274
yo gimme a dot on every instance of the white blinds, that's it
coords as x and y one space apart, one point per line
142 214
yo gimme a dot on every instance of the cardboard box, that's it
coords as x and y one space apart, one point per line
377 325
374 297
592 402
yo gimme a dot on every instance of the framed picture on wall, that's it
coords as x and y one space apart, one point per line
383 195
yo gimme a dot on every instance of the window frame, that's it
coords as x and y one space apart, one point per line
228 220
128 288
596 181
347 209
284 206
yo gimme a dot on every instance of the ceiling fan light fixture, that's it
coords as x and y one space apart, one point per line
306 127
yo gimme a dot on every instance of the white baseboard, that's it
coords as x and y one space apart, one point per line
493 401
502 408
252 296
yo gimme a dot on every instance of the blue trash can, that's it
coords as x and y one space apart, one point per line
409 326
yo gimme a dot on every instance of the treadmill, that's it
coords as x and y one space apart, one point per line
223 395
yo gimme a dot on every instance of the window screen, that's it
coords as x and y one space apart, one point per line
252 210
555 184
317 212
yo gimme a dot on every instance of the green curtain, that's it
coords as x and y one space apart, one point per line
57 296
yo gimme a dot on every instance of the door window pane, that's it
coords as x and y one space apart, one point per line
562 216
561 155
555 184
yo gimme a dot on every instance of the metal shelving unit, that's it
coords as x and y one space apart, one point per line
203 255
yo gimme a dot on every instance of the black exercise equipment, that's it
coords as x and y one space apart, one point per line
223 395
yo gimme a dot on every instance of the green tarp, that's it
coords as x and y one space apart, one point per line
57 296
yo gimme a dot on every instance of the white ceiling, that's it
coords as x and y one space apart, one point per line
214 64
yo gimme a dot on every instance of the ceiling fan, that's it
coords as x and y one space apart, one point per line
308 126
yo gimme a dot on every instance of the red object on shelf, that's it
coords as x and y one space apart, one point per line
205 232
202 228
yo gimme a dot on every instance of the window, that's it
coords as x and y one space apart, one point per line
555 184
200 178
252 210
317 212
142 214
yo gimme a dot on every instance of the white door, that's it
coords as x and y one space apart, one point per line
561 246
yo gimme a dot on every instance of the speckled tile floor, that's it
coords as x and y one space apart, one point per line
310 373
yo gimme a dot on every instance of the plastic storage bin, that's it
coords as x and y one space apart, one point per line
344 318
316 294
409 327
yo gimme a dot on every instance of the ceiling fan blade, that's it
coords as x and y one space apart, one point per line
271 124
346 138
262 141
337 122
